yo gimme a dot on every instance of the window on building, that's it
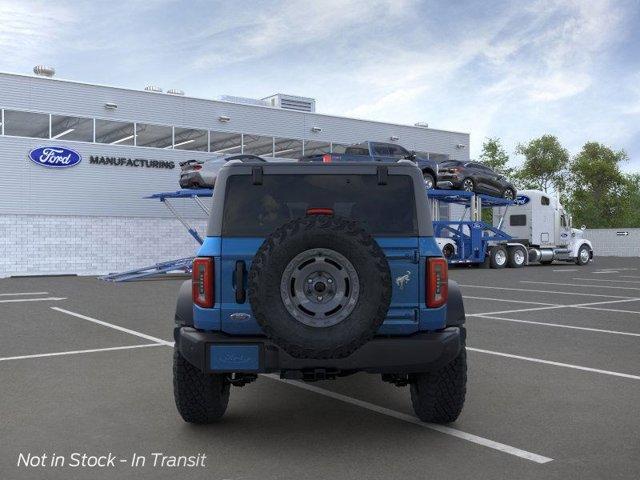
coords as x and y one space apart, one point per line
338 148
72 128
158 136
312 147
225 143
190 139
258 145
517 220
287 148
26 124
114 133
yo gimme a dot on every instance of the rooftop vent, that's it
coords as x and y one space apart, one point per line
175 91
153 88
292 102
422 124
44 71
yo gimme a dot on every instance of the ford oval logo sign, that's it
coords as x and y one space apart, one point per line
522 200
55 157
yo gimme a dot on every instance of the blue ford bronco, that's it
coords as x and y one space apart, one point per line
315 271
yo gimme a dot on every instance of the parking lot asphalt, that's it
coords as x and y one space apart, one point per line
554 385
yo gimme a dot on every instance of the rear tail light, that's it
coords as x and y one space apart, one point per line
202 282
437 285
326 158
319 211
197 167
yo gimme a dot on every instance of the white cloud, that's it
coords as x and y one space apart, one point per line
29 27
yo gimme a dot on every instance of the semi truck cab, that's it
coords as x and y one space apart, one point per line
540 222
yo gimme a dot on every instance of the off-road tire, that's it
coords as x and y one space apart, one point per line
200 398
340 235
438 397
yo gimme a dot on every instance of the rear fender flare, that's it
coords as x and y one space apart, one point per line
455 306
184 306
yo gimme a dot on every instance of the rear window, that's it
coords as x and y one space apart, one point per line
357 151
256 210
450 163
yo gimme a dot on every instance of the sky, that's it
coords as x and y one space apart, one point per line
513 70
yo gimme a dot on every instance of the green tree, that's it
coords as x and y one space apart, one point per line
495 156
545 164
632 216
600 193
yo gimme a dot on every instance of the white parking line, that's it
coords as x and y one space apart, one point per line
508 300
629 276
555 364
23 293
605 272
115 327
607 309
575 305
46 299
415 421
530 290
75 352
580 285
566 270
606 280
559 325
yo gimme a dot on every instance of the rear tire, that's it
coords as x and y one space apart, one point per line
438 397
509 194
468 185
200 398
498 257
517 257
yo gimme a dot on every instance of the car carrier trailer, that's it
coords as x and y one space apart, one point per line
533 228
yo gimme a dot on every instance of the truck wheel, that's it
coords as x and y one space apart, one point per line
583 255
438 397
498 257
429 181
320 287
200 398
517 257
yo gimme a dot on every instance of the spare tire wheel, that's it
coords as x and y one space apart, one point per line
320 287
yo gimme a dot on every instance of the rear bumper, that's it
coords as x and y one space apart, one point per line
191 179
420 352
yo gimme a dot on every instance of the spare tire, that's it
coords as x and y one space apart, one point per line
320 287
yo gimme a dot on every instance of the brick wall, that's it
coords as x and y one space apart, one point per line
48 245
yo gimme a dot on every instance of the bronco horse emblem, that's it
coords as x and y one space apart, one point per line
402 280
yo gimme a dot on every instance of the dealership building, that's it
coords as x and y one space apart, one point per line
88 214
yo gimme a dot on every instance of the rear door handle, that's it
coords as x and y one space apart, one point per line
241 294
